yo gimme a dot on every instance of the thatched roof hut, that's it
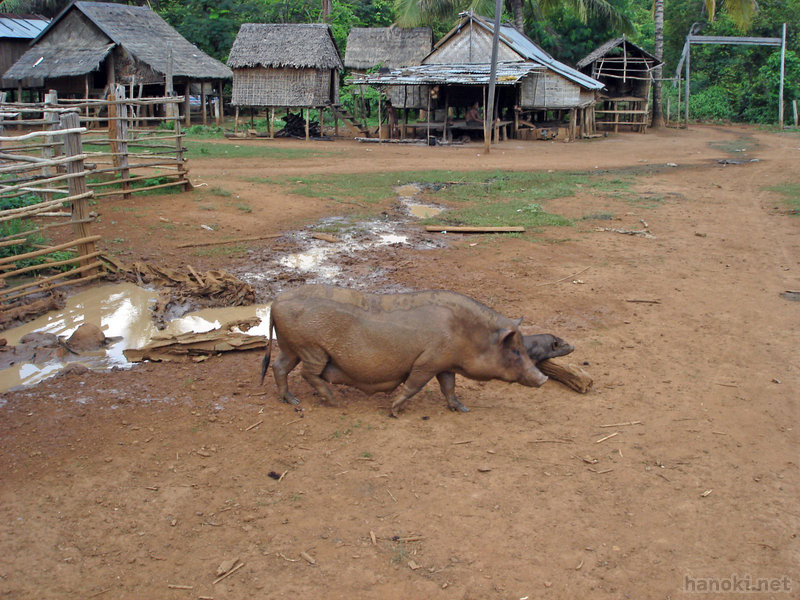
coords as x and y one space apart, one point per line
16 33
285 65
91 45
390 47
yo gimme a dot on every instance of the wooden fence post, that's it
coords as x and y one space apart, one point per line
122 142
77 187
113 136
48 150
182 171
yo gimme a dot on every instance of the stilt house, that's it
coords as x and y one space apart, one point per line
91 46
535 92
285 65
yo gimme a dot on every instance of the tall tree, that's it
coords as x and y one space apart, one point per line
741 11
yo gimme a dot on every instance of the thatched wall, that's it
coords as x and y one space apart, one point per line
471 45
549 90
258 86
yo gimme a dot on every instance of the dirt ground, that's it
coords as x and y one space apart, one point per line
676 473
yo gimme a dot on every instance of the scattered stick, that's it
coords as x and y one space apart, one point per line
460 443
391 495
549 441
254 425
229 573
174 586
100 593
640 232
706 493
232 241
600 472
373 538
287 559
645 301
469 229
326 238
564 278
608 437
308 558
622 424
733 385
282 475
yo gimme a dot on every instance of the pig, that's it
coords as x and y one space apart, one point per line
544 345
393 342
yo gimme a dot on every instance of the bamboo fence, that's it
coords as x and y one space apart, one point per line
63 155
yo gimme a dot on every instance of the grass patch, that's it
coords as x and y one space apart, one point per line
477 198
218 251
790 193
222 192
197 148
745 143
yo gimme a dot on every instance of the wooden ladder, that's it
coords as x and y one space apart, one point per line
349 120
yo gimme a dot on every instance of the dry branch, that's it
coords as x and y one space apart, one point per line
470 229
570 375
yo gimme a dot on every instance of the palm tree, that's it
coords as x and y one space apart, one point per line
411 13
741 11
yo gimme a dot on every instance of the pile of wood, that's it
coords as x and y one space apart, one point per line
296 127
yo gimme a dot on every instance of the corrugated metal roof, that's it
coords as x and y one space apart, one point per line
21 27
508 73
526 48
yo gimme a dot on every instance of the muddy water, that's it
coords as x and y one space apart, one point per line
408 195
123 312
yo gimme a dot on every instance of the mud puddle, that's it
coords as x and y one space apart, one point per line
124 313
340 251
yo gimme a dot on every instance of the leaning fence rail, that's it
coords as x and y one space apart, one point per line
31 263
58 156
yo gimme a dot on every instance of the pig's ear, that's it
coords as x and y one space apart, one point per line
518 322
506 335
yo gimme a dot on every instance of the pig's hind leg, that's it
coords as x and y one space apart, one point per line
447 383
286 361
314 362
415 381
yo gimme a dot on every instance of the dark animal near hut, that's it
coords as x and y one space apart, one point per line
386 342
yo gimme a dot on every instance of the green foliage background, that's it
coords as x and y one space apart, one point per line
728 83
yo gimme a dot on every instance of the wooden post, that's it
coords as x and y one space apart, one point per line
308 136
321 121
220 104
272 122
182 171
380 124
686 95
86 91
122 142
168 84
236 120
203 101
783 70
48 150
794 110
113 134
77 187
186 105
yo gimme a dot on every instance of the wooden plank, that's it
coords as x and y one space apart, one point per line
470 229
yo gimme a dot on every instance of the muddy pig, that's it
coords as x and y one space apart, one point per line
543 345
393 342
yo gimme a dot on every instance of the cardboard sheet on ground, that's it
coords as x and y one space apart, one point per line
198 346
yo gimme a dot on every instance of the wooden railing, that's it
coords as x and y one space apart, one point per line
56 157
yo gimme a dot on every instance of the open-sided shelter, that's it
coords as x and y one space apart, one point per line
16 34
91 46
454 76
626 71
285 65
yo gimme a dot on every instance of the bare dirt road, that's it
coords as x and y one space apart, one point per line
678 470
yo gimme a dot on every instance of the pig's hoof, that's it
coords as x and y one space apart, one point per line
458 407
289 399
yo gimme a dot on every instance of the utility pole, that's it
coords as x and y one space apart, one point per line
488 115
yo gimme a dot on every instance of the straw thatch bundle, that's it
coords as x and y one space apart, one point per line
391 47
